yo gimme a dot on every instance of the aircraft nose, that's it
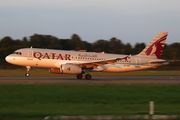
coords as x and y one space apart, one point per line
8 58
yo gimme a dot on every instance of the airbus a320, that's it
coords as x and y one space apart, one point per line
79 63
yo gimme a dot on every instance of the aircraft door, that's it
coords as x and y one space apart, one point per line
30 55
138 61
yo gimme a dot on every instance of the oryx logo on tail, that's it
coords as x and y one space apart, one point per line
155 47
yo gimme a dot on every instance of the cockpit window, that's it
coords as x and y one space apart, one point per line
18 53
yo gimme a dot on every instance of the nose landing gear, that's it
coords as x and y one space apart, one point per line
27 73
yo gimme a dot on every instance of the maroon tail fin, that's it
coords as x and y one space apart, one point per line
155 47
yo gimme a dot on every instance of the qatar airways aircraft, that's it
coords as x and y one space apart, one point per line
78 63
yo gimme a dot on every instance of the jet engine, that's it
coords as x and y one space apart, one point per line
67 69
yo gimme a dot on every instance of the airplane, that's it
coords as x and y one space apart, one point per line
78 62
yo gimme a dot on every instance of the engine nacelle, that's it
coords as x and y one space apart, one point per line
67 69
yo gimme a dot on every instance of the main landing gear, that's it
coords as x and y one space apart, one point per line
27 73
79 76
87 76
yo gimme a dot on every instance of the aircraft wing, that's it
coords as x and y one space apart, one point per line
94 64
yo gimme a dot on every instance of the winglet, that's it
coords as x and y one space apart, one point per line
155 47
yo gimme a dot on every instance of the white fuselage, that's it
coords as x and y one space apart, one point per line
48 58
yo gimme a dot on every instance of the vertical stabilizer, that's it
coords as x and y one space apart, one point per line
155 47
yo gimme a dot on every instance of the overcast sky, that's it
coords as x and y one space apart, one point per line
131 21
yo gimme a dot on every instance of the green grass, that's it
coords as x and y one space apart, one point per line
45 72
38 101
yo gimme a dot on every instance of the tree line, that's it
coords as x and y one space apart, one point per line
113 45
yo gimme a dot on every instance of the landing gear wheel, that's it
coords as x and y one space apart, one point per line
79 76
88 76
27 74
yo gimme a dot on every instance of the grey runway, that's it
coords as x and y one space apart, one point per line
95 80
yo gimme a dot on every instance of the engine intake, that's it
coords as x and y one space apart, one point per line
67 69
